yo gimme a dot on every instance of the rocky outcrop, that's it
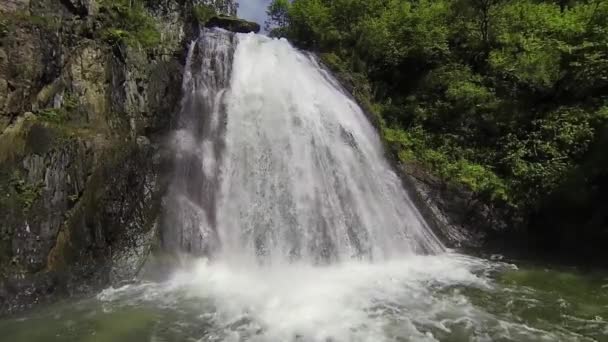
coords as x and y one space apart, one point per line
233 24
461 219
84 107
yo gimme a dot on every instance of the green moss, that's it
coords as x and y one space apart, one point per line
202 13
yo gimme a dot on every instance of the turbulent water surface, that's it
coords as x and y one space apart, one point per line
445 297
297 229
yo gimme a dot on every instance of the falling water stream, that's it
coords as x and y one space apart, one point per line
301 231
275 163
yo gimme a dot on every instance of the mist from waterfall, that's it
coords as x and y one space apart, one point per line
277 164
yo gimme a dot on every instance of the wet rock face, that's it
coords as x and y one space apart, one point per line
14 5
455 214
53 177
82 124
80 7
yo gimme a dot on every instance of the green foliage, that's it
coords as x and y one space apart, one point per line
8 21
60 115
4 27
277 21
202 13
421 25
26 192
128 22
414 146
539 161
70 101
312 24
53 115
504 97
116 36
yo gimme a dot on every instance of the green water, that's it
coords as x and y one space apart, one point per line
551 299
527 303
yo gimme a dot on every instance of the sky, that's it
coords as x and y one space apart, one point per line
254 10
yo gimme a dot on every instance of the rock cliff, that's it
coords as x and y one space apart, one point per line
88 89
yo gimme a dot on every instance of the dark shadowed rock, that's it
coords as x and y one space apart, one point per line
233 24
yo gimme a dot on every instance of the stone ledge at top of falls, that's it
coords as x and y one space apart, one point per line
233 24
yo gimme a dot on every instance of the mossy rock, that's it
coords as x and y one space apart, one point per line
233 24
202 13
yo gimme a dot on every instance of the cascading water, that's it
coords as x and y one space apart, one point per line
276 164
190 220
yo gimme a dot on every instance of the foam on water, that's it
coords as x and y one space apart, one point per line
421 298
352 301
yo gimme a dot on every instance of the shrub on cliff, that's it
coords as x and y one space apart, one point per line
127 21
203 13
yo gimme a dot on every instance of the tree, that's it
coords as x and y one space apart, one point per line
506 98
278 17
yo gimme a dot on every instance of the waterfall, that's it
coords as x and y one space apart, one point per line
276 163
189 221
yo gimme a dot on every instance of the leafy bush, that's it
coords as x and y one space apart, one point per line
53 115
60 115
27 193
412 146
128 22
